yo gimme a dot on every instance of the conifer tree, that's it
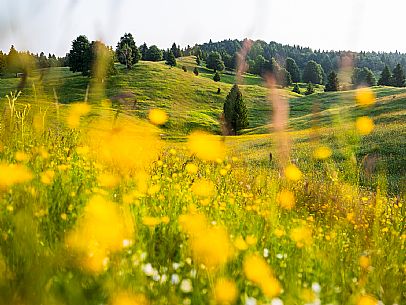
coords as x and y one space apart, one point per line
235 111
332 82
171 60
398 76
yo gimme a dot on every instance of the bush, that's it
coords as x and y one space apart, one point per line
216 77
309 89
184 68
296 89
196 71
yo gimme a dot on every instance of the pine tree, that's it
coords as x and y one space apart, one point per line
171 60
235 111
309 89
216 77
332 82
196 71
296 89
293 69
385 79
398 76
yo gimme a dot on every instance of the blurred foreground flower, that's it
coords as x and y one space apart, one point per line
364 125
11 174
157 116
76 111
322 153
365 96
125 298
293 173
367 300
258 271
286 199
210 245
225 291
128 146
102 230
206 146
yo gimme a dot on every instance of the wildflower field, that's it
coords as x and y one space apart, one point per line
105 204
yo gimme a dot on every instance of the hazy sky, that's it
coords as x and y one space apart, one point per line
51 25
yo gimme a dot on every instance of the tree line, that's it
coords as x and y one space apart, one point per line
24 62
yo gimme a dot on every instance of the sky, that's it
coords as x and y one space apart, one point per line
51 25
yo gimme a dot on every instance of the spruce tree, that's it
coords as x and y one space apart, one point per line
332 82
143 51
235 111
296 89
171 60
398 76
385 79
216 77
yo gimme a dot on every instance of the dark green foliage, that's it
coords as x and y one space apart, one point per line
171 60
313 73
293 69
184 68
2 63
215 62
235 111
309 89
363 77
143 51
386 76
127 52
198 61
216 77
398 76
154 54
80 56
176 50
296 89
196 71
332 82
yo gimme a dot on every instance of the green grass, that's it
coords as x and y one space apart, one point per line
347 213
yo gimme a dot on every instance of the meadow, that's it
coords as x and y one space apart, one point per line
122 192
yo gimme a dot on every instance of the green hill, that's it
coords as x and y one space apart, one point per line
192 103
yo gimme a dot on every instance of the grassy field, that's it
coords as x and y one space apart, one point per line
102 203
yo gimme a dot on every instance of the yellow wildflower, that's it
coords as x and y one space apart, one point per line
205 146
365 96
364 125
157 116
225 291
293 173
